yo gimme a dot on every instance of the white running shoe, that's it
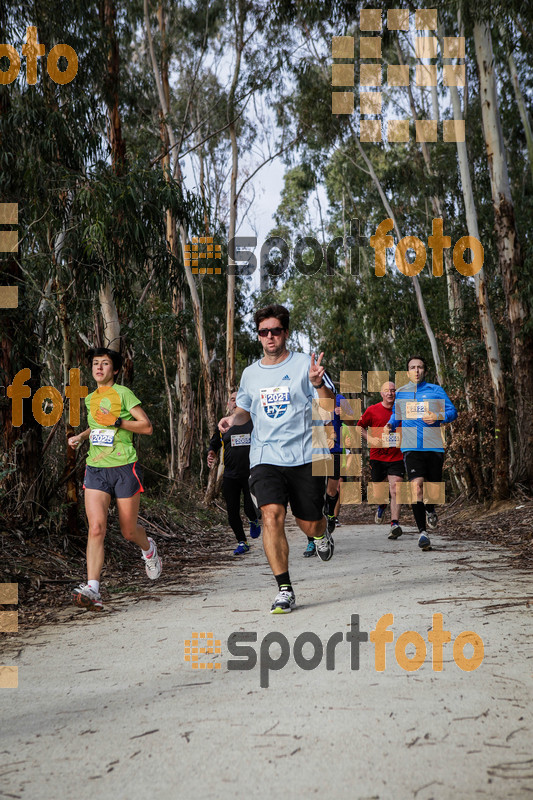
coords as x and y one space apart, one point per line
325 546
85 597
284 602
153 565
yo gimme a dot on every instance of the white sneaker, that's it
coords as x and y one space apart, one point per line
325 546
284 602
153 565
85 597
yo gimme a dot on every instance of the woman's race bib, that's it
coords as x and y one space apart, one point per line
103 437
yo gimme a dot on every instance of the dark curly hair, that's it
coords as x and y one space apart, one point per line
276 311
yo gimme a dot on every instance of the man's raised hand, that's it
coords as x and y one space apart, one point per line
316 371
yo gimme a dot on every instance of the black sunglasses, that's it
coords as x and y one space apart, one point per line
274 331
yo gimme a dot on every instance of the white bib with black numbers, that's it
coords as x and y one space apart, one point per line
241 440
275 401
416 409
390 439
103 437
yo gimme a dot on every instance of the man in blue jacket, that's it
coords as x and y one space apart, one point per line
421 409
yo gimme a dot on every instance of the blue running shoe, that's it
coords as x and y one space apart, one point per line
255 529
310 550
380 515
241 548
423 541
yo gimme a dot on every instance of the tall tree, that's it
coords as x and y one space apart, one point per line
510 256
174 149
490 338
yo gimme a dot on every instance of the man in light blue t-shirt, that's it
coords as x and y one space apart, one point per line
276 393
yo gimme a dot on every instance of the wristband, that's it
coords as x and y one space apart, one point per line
320 385
118 422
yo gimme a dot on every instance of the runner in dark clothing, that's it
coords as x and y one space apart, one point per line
235 444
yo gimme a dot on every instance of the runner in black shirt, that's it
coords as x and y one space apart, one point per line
236 455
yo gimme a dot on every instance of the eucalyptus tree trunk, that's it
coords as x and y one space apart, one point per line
68 476
185 426
416 284
524 116
196 305
239 18
488 331
510 257
455 301
110 320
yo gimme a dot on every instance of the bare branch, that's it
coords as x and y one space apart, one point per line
271 158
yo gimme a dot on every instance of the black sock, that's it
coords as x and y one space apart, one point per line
283 581
430 508
419 513
331 502
394 522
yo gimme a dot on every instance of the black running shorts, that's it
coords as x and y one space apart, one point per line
295 485
380 470
425 464
122 481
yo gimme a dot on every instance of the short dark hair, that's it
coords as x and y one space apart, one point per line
274 310
115 357
423 360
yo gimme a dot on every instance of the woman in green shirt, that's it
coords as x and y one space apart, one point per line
114 414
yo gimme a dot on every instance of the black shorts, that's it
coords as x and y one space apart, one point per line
295 485
382 469
122 481
425 464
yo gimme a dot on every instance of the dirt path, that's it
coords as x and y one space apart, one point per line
107 705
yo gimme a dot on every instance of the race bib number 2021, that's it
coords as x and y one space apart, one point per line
275 401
